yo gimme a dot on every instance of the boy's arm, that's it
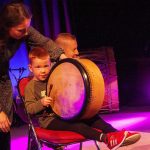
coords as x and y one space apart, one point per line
32 105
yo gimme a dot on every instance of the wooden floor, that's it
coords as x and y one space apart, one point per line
131 119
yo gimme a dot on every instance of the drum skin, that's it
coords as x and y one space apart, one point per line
77 89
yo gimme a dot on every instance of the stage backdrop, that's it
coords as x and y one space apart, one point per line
105 60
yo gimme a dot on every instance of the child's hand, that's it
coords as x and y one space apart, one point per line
46 101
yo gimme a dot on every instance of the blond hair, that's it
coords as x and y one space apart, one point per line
62 38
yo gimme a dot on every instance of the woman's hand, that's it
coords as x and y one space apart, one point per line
4 122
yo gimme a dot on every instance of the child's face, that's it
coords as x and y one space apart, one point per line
40 68
70 49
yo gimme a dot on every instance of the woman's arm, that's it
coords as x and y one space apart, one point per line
35 39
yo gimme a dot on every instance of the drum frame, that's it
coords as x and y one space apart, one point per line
86 82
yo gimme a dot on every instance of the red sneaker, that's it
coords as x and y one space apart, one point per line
131 138
115 139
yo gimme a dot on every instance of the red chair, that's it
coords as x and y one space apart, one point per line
51 138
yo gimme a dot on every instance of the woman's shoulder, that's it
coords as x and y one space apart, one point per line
32 29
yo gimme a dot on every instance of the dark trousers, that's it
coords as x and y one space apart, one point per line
5 141
84 127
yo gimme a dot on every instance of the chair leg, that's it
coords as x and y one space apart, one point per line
39 147
96 144
29 137
80 148
32 139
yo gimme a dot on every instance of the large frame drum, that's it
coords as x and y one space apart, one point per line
77 89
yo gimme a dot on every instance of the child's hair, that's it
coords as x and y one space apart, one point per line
38 52
62 37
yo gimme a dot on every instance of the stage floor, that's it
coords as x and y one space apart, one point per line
131 119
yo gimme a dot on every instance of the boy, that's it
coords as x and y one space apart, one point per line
68 43
38 104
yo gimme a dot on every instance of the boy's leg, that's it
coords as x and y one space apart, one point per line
98 123
79 127
112 140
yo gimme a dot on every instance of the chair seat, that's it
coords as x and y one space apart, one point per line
22 85
62 137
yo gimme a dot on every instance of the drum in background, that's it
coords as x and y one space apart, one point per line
77 89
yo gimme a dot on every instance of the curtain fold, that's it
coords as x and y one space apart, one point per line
50 17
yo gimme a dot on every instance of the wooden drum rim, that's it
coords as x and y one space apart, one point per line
85 81
88 71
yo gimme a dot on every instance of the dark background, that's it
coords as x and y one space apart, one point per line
124 25
121 24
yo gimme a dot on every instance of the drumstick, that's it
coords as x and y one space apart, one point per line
50 89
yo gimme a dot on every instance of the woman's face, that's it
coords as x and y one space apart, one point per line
20 30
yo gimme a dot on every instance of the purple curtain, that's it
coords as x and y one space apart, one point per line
50 17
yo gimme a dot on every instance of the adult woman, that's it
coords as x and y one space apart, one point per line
15 28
